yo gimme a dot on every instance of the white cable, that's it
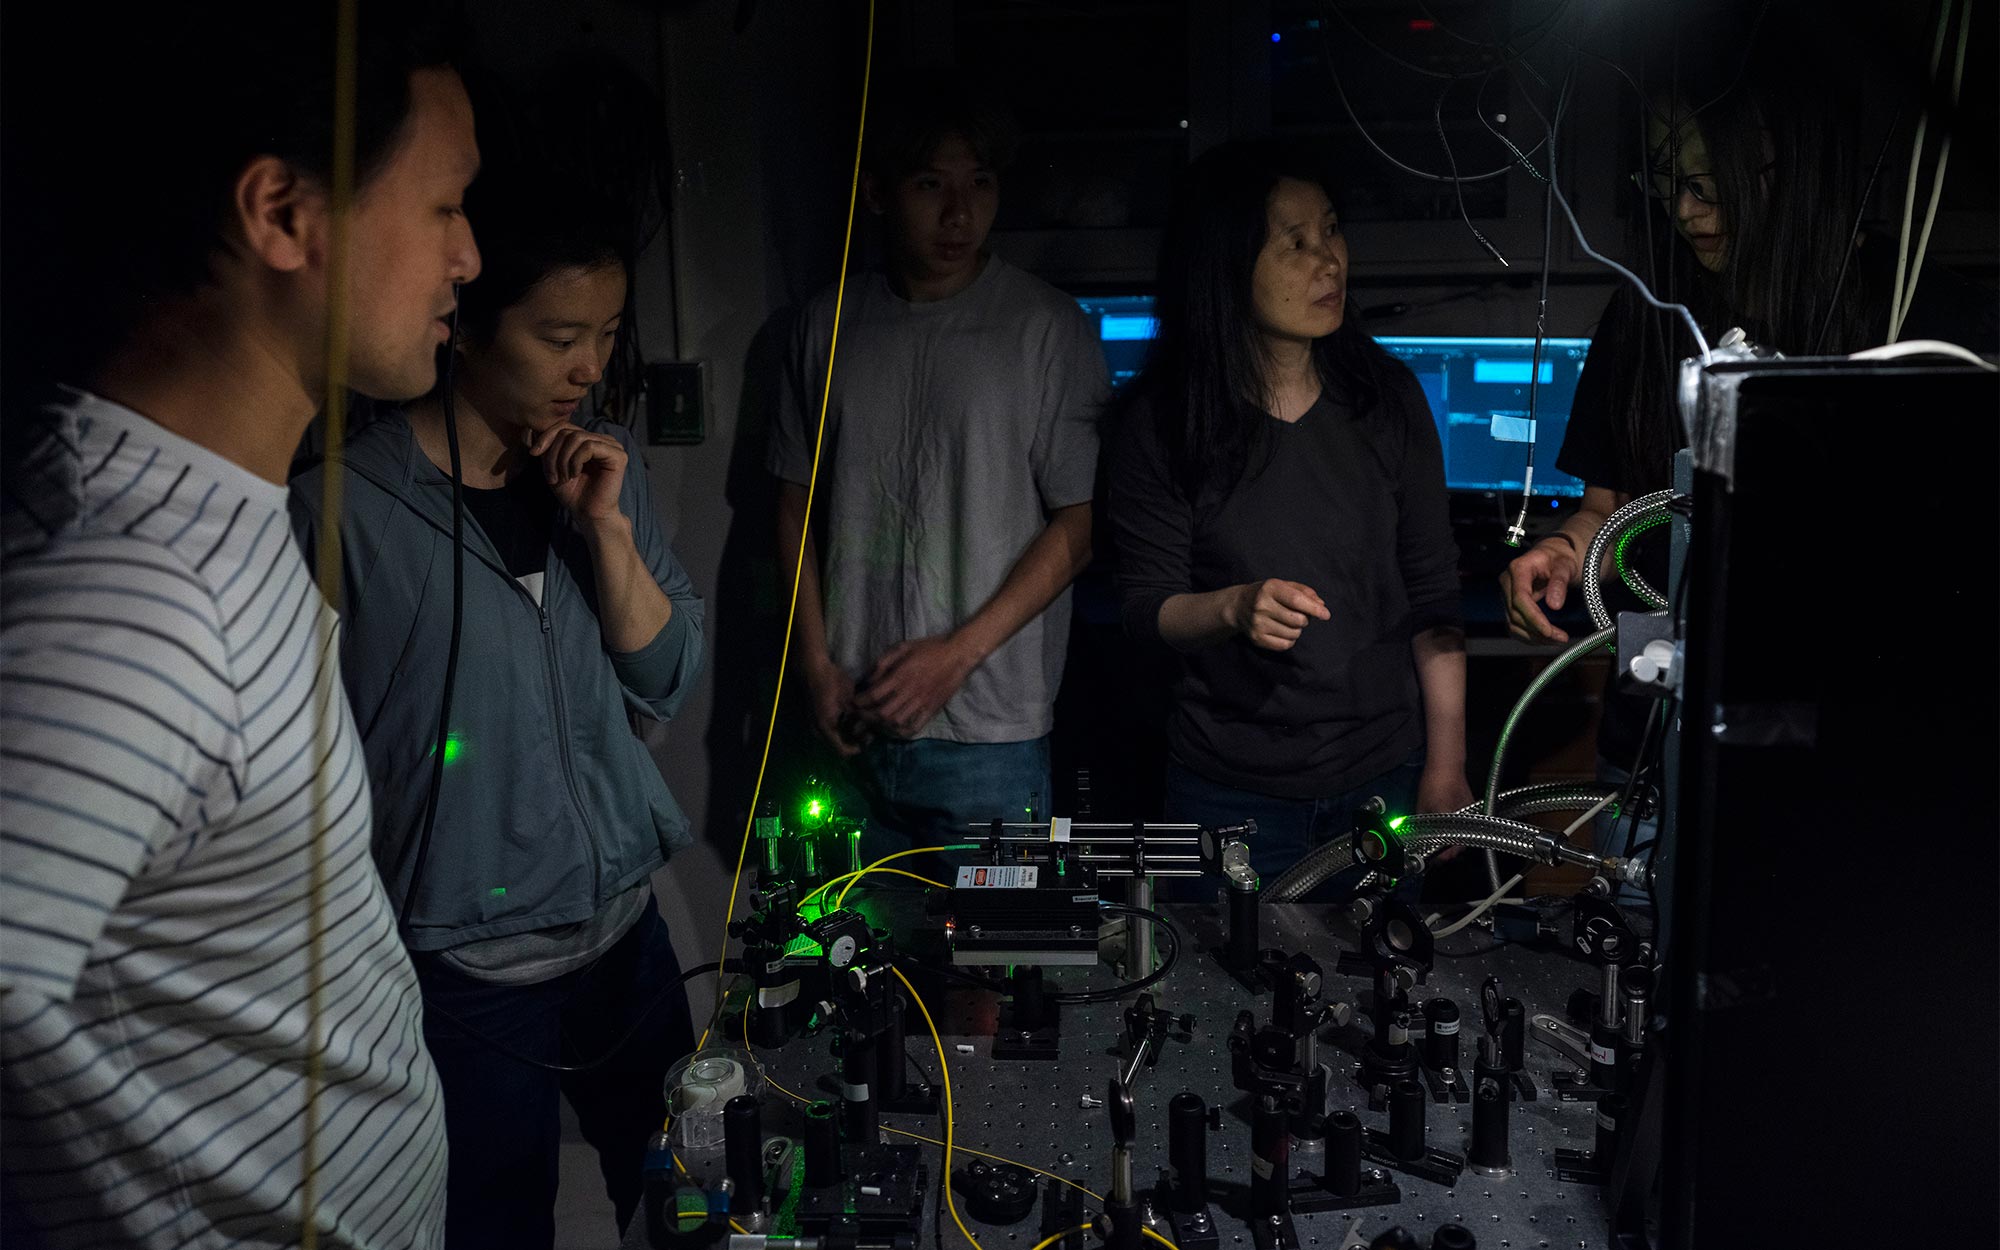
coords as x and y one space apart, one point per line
1576 229
1925 347
1499 895
1937 182
1910 183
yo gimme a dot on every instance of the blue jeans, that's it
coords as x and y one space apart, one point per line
925 792
503 1125
1286 828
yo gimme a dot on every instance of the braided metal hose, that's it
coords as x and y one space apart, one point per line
1570 655
1634 582
1423 836
1542 796
1319 865
1642 512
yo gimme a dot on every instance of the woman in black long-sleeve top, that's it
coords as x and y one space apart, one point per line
1278 502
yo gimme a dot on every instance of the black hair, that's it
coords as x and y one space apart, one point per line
572 162
916 112
117 191
1780 124
1204 376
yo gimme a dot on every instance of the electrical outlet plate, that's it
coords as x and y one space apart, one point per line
676 402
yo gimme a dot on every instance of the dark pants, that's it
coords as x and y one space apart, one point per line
502 1121
925 792
1288 828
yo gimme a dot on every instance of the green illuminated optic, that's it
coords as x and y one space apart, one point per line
1625 540
452 750
816 810
803 946
1396 822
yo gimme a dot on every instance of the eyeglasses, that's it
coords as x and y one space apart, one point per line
1666 186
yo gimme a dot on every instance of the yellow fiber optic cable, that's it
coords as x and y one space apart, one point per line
819 437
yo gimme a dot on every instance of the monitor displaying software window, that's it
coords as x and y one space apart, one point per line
1477 388
1478 392
1124 329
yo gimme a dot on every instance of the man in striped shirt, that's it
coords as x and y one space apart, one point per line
184 802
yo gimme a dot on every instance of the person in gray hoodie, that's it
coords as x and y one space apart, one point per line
526 901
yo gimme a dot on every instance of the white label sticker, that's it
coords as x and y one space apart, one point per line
1443 1028
1059 828
1604 1121
1603 1054
997 876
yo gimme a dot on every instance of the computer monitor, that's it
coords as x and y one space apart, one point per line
1124 329
1478 392
1477 389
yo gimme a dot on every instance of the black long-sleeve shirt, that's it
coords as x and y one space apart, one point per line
1351 503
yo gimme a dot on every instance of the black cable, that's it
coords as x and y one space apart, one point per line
1479 113
1326 52
1839 279
988 984
1639 763
442 747
1576 231
1518 532
1749 42
1335 7
1119 991
611 1051
1457 185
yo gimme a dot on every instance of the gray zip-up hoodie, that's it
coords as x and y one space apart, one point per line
551 805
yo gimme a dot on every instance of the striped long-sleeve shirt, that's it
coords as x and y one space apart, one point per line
160 737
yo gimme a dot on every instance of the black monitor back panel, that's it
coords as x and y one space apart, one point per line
1831 1033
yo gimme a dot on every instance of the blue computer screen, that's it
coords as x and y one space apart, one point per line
1477 388
1478 392
1124 329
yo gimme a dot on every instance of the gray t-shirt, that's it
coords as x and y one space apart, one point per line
954 428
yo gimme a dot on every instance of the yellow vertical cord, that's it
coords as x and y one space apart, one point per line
944 1074
805 528
338 244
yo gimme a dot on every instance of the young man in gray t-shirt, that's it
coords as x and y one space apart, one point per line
952 508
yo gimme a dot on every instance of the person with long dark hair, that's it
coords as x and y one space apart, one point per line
526 896
1751 151
1761 191
1278 502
